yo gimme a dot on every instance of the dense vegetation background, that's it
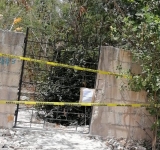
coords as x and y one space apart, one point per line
87 24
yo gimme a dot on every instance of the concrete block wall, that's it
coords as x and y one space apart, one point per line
10 43
119 122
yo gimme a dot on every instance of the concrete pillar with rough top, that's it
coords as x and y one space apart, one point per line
10 68
126 122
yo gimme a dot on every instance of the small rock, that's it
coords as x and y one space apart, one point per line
141 148
107 144
111 141
12 147
12 132
133 148
120 148
4 146
111 147
123 142
115 144
6 133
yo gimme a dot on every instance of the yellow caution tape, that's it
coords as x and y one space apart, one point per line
74 104
64 65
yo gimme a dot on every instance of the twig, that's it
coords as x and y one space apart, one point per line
38 41
118 8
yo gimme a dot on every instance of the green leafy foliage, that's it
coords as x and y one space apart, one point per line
82 25
141 31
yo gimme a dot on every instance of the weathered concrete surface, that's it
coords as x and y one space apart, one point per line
118 122
10 43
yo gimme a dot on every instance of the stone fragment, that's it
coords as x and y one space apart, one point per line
141 148
6 133
4 146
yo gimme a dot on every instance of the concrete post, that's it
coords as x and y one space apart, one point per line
119 122
10 43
